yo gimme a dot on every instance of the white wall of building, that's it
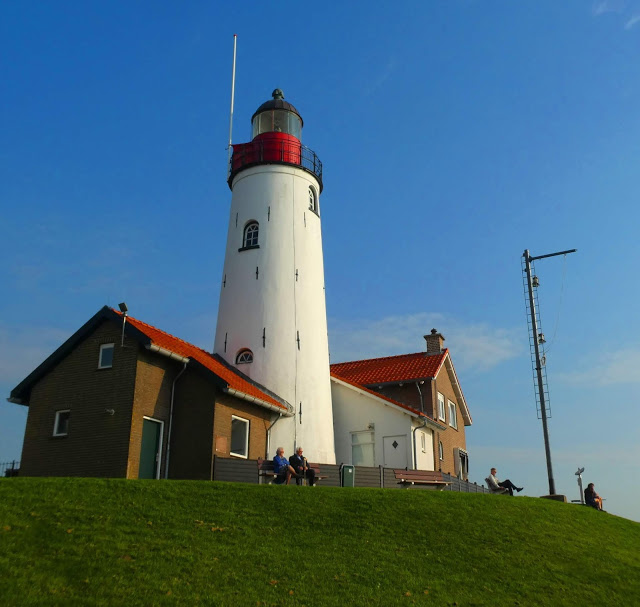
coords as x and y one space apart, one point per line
356 411
285 303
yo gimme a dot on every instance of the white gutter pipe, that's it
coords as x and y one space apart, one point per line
173 391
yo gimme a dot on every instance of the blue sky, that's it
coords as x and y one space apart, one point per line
453 135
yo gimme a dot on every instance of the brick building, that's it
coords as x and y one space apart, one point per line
387 411
121 398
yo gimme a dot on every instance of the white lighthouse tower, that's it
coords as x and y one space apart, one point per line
272 321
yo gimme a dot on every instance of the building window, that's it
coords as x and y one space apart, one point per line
453 418
362 449
250 238
61 423
441 412
244 356
105 360
461 463
440 451
313 200
239 437
423 442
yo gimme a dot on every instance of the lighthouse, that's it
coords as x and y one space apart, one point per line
272 321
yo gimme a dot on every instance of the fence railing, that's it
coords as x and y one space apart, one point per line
9 468
263 151
246 471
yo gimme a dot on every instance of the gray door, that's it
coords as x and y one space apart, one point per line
150 449
395 451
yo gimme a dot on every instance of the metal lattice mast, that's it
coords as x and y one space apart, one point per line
538 360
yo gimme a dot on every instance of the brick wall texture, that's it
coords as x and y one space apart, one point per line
138 385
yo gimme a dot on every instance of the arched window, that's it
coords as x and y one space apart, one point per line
244 356
250 238
440 450
313 200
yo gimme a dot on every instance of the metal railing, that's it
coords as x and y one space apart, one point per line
266 151
9 468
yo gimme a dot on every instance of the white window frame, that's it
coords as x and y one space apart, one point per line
245 235
441 409
57 421
104 347
242 353
440 450
313 200
453 415
246 437
372 442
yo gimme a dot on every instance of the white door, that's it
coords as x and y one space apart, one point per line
395 451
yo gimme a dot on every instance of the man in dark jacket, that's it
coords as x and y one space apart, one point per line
300 465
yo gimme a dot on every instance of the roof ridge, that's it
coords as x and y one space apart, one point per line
368 360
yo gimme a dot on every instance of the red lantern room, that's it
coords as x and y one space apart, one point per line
276 131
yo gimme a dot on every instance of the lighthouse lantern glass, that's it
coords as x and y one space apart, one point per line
278 121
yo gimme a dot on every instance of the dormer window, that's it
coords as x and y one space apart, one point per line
244 356
250 236
105 359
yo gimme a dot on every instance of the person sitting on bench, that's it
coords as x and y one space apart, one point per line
301 467
282 468
495 485
591 498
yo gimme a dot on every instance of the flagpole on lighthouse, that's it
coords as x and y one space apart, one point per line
233 89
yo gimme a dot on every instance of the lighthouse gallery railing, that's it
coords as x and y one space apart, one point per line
266 151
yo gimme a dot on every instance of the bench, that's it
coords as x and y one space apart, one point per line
493 488
406 478
265 471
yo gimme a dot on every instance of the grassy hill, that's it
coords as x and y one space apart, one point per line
117 542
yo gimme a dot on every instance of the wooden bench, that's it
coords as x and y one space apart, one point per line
493 488
431 478
265 471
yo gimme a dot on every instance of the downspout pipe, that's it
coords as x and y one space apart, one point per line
173 392
269 433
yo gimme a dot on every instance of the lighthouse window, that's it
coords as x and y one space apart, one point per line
313 201
244 356
250 239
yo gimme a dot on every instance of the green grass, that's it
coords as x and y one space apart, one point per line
118 542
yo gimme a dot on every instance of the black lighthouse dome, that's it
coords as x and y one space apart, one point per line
277 116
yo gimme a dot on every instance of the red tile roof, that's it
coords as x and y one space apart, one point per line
406 367
187 350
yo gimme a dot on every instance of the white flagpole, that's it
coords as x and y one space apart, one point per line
233 89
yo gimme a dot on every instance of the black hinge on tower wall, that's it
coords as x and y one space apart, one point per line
298 338
236 220
225 341
224 282
296 275
257 272
264 336
300 414
305 219
268 213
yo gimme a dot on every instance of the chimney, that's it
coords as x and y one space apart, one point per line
435 342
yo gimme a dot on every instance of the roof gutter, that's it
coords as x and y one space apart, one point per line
258 401
167 353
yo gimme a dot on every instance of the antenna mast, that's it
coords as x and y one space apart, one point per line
233 90
536 339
